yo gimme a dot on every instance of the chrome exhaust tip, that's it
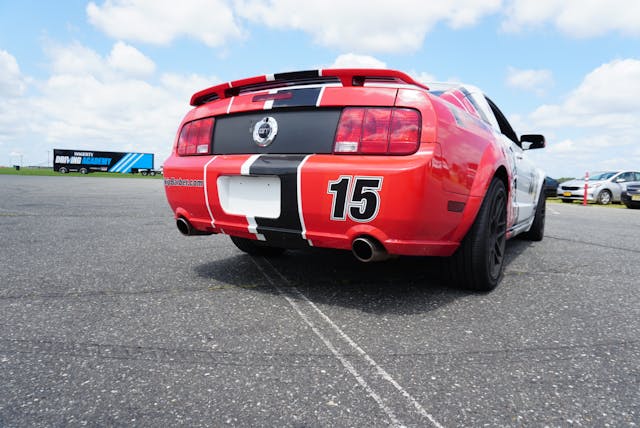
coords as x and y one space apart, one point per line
187 230
368 250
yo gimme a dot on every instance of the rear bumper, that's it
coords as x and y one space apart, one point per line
325 200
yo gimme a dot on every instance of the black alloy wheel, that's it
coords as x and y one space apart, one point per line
478 264
497 235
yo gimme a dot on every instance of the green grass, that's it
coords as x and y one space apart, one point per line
559 201
44 172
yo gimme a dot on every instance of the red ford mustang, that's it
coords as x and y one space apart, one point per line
366 160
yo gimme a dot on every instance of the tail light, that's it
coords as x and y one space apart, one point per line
195 137
378 130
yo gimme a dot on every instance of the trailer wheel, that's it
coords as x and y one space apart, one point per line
63 170
152 173
144 172
84 171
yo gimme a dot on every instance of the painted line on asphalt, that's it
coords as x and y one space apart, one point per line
345 362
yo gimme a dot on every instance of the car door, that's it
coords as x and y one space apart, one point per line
621 181
524 172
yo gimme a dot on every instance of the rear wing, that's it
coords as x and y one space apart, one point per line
345 77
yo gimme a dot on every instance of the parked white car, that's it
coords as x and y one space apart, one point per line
603 187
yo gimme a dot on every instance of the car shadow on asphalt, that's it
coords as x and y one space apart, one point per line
404 285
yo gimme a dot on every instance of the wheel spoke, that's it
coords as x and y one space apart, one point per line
497 235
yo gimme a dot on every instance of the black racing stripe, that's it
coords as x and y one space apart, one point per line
296 75
285 231
307 97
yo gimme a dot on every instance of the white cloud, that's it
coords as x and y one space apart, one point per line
12 83
609 97
90 102
185 86
351 60
367 27
371 26
577 18
74 59
423 77
128 59
597 122
161 21
529 80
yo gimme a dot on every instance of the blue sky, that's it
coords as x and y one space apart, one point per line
117 75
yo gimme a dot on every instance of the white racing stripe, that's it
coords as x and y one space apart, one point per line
206 192
320 96
253 226
268 105
230 104
346 363
300 212
246 166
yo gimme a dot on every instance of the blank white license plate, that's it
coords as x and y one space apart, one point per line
250 196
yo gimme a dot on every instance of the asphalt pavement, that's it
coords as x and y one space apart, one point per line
110 317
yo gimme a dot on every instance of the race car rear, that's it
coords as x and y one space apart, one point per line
344 159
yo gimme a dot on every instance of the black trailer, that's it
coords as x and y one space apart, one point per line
85 161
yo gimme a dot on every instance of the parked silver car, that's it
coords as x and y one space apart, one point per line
603 187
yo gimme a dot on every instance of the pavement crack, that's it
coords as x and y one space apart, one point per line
160 354
109 293
593 244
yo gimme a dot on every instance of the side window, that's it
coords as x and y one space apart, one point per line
626 176
636 176
505 127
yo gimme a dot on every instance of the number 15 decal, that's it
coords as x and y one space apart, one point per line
356 197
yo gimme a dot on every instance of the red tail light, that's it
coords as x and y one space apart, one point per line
195 137
378 130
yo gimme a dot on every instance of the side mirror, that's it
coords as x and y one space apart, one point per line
535 141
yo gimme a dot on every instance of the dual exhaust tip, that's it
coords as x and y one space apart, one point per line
364 248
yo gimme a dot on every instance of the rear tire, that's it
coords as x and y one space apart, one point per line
63 170
536 233
256 248
84 171
478 264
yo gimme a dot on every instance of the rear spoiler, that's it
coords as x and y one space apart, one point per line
344 76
